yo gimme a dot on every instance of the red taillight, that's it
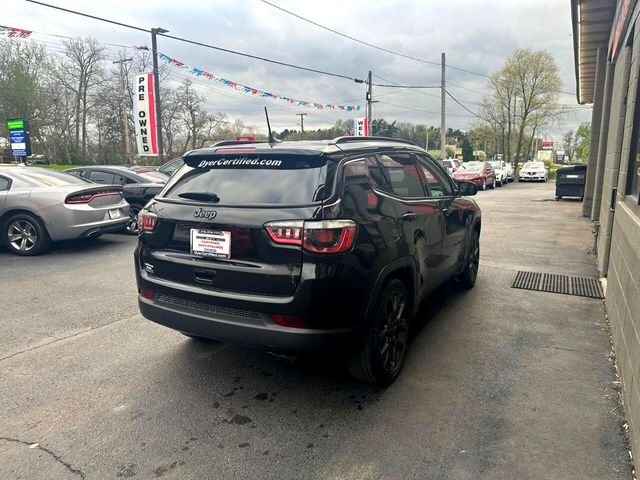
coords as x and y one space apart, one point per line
147 221
87 197
288 321
287 233
148 294
327 236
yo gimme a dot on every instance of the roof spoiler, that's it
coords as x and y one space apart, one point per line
349 139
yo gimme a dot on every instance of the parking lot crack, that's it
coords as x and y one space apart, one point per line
52 454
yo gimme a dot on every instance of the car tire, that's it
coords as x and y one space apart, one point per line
493 185
25 235
484 184
467 279
381 357
558 198
132 225
499 184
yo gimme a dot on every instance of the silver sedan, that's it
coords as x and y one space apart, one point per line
38 206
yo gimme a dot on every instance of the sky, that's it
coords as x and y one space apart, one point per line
476 35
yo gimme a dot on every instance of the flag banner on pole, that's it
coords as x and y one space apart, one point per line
145 111
14 32
253 91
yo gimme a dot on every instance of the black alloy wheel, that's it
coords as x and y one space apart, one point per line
380 359
132 224
467 279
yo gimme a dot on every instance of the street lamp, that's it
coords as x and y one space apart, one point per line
156 88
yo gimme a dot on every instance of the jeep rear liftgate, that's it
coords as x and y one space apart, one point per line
212 227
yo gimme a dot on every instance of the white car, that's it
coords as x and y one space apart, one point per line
533 172
510 172
500 167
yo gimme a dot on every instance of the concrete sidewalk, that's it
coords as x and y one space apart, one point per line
499 383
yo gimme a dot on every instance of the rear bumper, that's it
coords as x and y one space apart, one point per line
69 222
242 326
114 226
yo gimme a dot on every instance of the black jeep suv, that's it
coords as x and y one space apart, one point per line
300 246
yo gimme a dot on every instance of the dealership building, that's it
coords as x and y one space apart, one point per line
606 36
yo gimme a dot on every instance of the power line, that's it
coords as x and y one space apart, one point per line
423 111
464 106
362 42
377 47
206 45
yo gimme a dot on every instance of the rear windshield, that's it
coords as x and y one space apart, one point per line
50 178
255 179
471 166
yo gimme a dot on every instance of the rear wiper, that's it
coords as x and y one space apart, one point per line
202 196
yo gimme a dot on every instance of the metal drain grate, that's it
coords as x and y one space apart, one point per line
555 283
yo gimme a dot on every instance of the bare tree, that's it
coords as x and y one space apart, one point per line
79 69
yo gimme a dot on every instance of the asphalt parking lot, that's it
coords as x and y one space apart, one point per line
499 383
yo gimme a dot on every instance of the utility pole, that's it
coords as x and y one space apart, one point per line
125 110
443 94
156 89
426 147
301 115
369 105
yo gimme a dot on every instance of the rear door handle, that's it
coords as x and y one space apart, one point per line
447 211
409 217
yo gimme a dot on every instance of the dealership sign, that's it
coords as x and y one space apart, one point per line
19 137
361 127
145 107
546 145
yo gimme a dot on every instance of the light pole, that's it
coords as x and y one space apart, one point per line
156 89
301 115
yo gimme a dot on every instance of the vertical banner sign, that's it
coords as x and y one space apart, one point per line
146 128
361 127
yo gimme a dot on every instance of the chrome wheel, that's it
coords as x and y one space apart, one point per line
22 235
394 332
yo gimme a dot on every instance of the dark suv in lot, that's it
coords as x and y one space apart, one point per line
301 246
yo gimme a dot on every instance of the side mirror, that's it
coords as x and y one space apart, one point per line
467 189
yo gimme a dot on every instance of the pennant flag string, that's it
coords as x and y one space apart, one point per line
14 32
250 90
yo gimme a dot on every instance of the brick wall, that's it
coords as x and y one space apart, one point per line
623 270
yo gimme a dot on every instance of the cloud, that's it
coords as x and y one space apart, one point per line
477 36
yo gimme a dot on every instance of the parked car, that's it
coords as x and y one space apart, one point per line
480 173
511 173
534 171
500 170
40 206
300 246
171 166
138 188
450 165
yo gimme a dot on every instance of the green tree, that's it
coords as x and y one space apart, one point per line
583 140
569 144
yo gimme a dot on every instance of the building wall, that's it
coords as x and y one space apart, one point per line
616 134
619 242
